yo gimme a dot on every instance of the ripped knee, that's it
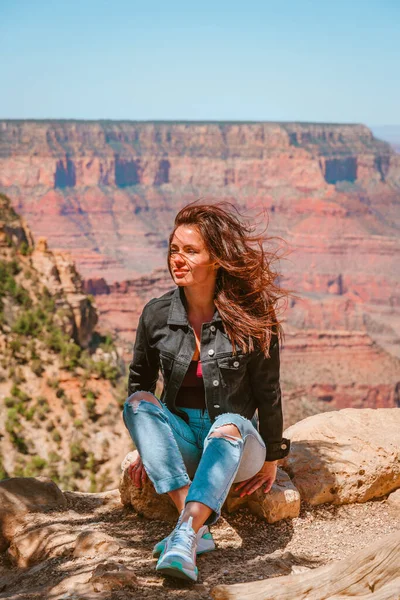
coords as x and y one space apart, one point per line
137 398
228 431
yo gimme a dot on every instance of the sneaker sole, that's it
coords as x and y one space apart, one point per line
175 569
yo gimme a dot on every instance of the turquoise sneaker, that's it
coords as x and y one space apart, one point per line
205 542
179 556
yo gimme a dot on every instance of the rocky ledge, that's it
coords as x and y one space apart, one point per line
76 545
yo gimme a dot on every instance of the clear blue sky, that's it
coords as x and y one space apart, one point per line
315 60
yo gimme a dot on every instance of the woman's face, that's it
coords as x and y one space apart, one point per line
190 260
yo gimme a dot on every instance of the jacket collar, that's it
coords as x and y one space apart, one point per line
177 312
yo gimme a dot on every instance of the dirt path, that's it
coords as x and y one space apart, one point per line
247 549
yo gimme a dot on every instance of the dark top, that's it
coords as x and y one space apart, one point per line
191 393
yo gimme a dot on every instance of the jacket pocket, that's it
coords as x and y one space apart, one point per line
233 363
232 370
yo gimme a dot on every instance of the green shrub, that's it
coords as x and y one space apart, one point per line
73 470
38 462
34 467
42 409
19 376
55 339
91 462
10 402
104 480
71 411
24 248
48 301
14 429
78 423
53 383
91 408
21 296
89 394
54 474
18 441
15 345
42 401
56 436
71 354
3 472
28 323
105 370
19 470
93 483
12 420
29 414
21 408
18 393
41 415
78 454
54 457
37 367
105 342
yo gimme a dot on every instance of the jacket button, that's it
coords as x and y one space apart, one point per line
283 446
236 363
211 352
215 382
212 327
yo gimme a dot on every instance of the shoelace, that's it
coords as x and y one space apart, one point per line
184 536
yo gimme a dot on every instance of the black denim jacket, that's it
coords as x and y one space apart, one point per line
241 383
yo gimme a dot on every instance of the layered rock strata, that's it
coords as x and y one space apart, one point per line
108 192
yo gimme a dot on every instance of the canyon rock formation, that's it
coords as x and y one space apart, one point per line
61 381
108 192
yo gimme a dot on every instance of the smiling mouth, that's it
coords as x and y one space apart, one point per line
178 272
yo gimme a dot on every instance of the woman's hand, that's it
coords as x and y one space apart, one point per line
266 475
137 472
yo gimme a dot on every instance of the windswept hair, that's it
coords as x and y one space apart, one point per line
247 294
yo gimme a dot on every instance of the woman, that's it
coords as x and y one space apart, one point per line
215 338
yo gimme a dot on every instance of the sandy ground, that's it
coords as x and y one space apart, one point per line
247 549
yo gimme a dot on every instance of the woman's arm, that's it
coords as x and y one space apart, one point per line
143 370
264 376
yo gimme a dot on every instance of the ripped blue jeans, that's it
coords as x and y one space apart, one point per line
175 453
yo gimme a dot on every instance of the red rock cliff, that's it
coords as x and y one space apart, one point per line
108 192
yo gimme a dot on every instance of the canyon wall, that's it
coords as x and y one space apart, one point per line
61 382
108 192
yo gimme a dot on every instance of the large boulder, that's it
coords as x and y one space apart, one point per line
345 456
145 500
22 495
282 502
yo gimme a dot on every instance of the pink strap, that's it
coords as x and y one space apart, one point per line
199 371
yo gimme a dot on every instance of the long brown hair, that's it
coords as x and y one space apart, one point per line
247 294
